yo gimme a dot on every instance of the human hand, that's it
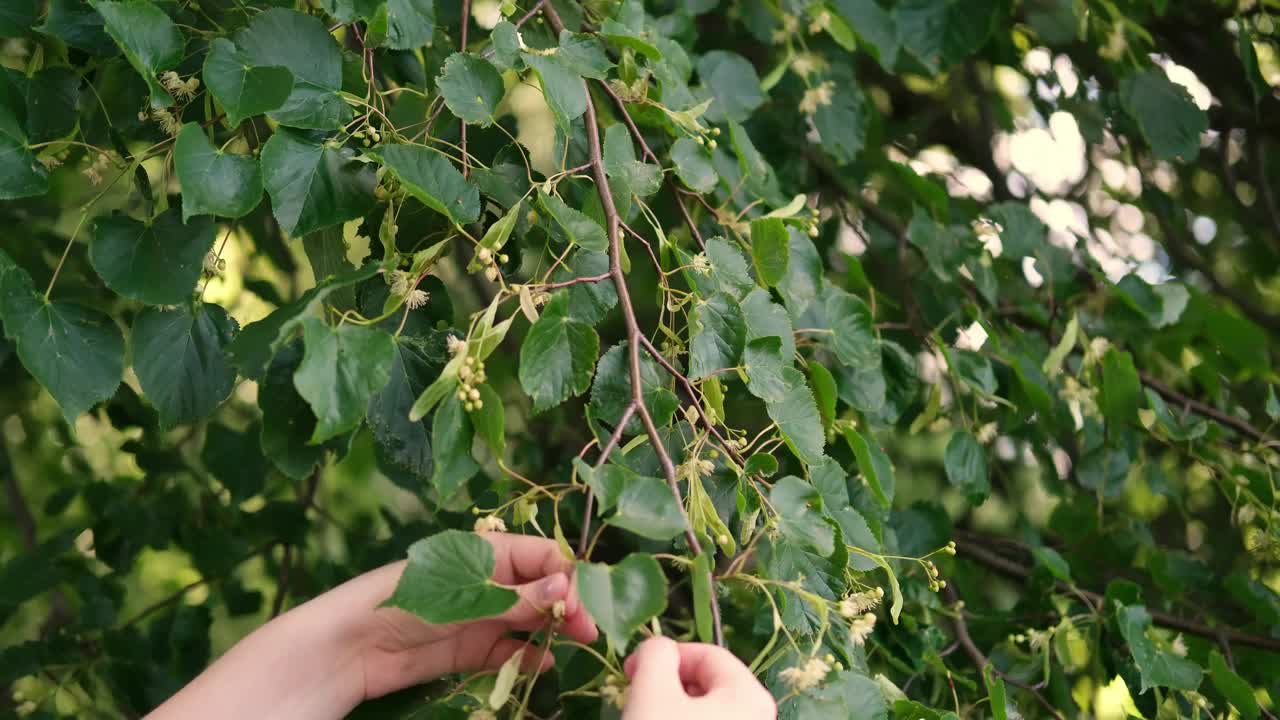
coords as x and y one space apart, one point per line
685 680
400 650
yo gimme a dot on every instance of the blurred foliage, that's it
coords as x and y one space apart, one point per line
952 321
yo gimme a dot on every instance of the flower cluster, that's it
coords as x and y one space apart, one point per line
861 628
614 691
471 375
809 675
183 91
860 602
489 261
490 523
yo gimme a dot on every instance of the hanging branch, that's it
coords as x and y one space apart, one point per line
635 338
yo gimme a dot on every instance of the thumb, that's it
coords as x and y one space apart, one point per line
654 669
536 600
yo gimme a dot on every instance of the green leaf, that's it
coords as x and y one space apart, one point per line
766 318
490 420
1158 668
622 597
558 355
718 333
842 123
762 464
647 508
51 98
431 178
472 88
620 163
287 420
214 182
301 43
995 688
79 26
17 17
149 39
1233 687
874 464
764 365
75 353
1169 119
804 282
313 185
342 368
157 263
966 465
449 580
451 438
732 80
589 302
564 89
252 349
941 33
700 579
583 53
853 331
410 24
235 459
180 359
606 482
824 392
770 250
1052 561
580 229
21 175
797 418
1121 389
875 26
243 88
404 443
506 45
797 519
693 166
611 391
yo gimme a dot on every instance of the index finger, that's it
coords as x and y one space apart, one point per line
710 668
522 559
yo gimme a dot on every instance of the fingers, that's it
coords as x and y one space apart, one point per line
523 558
710 668
534 658
654 669
536 601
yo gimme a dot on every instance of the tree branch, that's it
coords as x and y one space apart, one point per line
605 452
634 336
462 46
1012 569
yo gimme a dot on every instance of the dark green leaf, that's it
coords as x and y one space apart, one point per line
79 26
874 464
342 368
842 123
620 162
157 262
717 332
580 229
17 17
451 438
214 182
764 365
149 39
564 89
404 443
287 420
313 185
611 391
472 88
1158 668
243 88
1121 389
20 174
966 464
1169 119
180 359
770 250
589 302
732 81
449 579
647 508
410 23
301 43
1233 687
622 597
797 519
941 33
875 26
797 418
431 178
762 464
766 318
693 166
558 355
235 459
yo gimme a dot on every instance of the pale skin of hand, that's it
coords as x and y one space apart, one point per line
671 680
324 657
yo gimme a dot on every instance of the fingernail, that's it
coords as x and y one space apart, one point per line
552 588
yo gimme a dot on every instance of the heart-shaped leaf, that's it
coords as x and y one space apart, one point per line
448 580
624 596
214 182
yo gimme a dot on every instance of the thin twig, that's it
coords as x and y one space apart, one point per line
634 336
466 23
605 452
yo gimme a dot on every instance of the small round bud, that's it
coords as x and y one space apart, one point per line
813 231
722 539
366 142
713 454
469 407
469 361
702 140
838 667
478 404
484 255
830 658
711 144
462 395
715 131
504 258
475 511
474 394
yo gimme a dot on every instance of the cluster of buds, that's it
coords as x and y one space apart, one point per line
94 172
1034 639
490 523
614 691
988 232
709 142
695 468
816 97
403 286
790 26
471 375
861 628
183 91
804 677
489 260
213 266
169 123
936 583
700 264
367 135
860 602
814 216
